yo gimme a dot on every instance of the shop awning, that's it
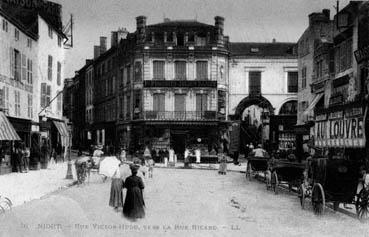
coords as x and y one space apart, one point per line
62 128
313 104
7 131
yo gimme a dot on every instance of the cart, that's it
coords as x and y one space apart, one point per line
255 165
284 171
336 181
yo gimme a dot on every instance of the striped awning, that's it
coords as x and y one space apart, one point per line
62 128
7 131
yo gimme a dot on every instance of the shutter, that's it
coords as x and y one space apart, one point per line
201 70
204 105
162 102
180 70
179 103
24 67
198 102
43 94
12 64
48 92
158 72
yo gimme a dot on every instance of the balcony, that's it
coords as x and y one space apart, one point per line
180 115
180 83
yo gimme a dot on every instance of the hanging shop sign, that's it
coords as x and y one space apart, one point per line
340 129
362 54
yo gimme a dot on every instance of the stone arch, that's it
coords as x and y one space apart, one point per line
288 102
253 100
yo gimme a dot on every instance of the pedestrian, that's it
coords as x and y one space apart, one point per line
198 155
27 154
134 203
223 162
52 160
171 156
18 155
45 154
166 155
116 194
150 166
123 155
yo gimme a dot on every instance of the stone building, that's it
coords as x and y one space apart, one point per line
262 82
173 85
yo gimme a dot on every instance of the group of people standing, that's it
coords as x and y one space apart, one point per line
130 177
51 154
21 157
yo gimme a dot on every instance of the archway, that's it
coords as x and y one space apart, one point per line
252 112
288 108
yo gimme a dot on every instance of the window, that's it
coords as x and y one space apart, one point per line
128 70
303 78
254 82
349 53
29 42
17 65
201 102
159 102
50 32
5 25
201 70
180 70
17 103
16 34
158 70
58 74
179 103
180 39
29 107
292 78
50 68
59 41
169 36
59 101
191 37
137 101
45 95
138 71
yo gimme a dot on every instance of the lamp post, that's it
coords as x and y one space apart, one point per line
69 171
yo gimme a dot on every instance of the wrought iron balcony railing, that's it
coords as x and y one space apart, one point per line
180 115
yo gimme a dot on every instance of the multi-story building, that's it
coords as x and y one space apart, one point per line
314 67
33 49
173 85
18 78
262 82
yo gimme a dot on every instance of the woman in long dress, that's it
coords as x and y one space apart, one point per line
134 204
116 194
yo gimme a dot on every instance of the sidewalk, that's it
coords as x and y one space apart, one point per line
230 166
24 187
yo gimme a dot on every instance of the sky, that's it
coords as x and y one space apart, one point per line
245 20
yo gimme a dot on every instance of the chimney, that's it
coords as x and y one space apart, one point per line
114 39
141 31
274 40
166 20
226 40
326 12
96 51
102 44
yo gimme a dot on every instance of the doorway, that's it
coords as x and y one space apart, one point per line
178 143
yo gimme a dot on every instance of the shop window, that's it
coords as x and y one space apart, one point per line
180 70
254 82
292 80
201 70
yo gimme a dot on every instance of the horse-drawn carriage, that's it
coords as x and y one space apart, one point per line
284 171
255 165
337 181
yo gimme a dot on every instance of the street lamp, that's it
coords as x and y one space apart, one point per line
69 171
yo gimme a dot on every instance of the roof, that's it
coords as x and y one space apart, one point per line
19 24
250 49
181 23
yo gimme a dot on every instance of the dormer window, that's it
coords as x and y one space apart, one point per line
169 36
254 50
191 37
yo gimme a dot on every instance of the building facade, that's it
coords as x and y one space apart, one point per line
173 86
262 82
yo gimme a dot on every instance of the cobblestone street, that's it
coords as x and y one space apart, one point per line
179 203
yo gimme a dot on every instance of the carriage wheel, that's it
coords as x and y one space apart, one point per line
318 199
362 205
275 182
302 195
248 171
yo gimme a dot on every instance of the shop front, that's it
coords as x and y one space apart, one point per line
340 132
8 136
282 133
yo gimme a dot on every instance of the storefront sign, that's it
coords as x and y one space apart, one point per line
41 5
341 129
362 54
179 83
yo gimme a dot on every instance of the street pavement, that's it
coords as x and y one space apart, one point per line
179 202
